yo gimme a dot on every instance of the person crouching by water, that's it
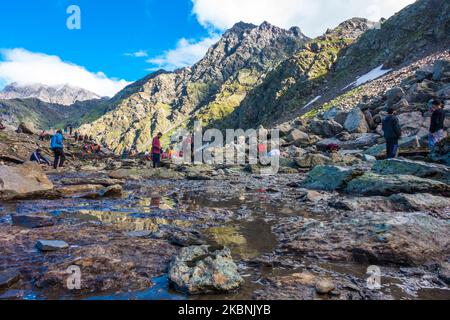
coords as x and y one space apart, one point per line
57 147
39 158
437 123
392 133
156 150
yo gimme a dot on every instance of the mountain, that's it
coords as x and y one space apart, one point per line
45 115
318 76
211 89
63 95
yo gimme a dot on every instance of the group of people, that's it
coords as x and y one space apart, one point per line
393 133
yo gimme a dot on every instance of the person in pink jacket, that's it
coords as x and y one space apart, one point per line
156 150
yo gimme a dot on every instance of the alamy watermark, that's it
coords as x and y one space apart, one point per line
74 20
73 281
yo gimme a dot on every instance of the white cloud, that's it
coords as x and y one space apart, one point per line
312 16
137 54
186 53
25 68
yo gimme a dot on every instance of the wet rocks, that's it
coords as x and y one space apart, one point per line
204 269
78 189
372 184
33 221
415 168
395 203
408 144
90 181
409 239
312 159
8 278
51 245
356 122
441 71
24 181
111 191
136 174
330 177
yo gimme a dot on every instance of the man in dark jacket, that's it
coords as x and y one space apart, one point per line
392 133
437 123
57 146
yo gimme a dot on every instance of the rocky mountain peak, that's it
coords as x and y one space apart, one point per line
63 94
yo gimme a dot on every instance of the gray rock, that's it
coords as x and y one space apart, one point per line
325 128
51 245
394 95
372 184
325 286
139 234
330 177
441 71
415 168
8 278
297 137
356 122
204 269
33 221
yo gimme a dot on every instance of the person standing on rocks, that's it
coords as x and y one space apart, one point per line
57 146
392 133
437 123
37 156
156 150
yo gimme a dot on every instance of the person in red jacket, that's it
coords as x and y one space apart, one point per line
156 150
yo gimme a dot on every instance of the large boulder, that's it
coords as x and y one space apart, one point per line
441 71
356 122
404 239
204 269
27 128
394 95
298 138
441 152
372 184
394 203
422 92
23 181
415 168
311 160
408 144
325 128
410 123
330 177
361 141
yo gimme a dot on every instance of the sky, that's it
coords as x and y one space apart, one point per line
108 44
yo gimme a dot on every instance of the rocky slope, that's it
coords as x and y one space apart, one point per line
210 89
63 95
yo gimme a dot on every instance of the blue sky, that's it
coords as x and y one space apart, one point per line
123 41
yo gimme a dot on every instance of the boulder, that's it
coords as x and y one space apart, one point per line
51 245
8 278
298 138
24 181
361 141
415 168
403 104
423 73
395 203
325 128
403 239
372 184
369 119
441 70
330 114
33 221
330 177
441 152
410 123
111 191
27 128
356 122
422 92
204 269
325 286
394 95
285 129
312 159
408 144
